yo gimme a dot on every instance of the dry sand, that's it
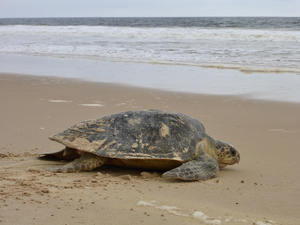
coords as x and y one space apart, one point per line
263 189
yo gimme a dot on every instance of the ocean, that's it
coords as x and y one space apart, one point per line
258 58
248 44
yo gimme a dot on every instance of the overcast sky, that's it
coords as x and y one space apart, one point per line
147 8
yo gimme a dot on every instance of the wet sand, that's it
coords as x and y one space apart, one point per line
171 76
263 189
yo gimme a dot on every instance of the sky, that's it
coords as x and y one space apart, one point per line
147 8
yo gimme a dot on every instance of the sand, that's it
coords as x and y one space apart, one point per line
264 188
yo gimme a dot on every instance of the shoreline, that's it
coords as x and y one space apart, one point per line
225 97
262 187
181 78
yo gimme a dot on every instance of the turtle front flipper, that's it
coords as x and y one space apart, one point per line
202 167
86 162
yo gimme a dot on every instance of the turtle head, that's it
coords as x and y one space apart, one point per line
226 154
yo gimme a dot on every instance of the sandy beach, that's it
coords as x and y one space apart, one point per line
264 188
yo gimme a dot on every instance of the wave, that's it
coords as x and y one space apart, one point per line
241 49
173 33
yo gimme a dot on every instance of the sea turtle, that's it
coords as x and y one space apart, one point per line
146 139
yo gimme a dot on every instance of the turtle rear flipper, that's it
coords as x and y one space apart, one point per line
200 168
87 162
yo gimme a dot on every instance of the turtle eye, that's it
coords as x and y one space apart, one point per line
233 151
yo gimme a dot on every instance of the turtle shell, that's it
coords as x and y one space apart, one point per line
149 134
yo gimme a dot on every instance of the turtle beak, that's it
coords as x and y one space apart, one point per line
237 158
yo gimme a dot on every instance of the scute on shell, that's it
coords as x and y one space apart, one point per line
149 134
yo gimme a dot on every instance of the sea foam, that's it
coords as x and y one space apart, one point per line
198 215
178 33
241 47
